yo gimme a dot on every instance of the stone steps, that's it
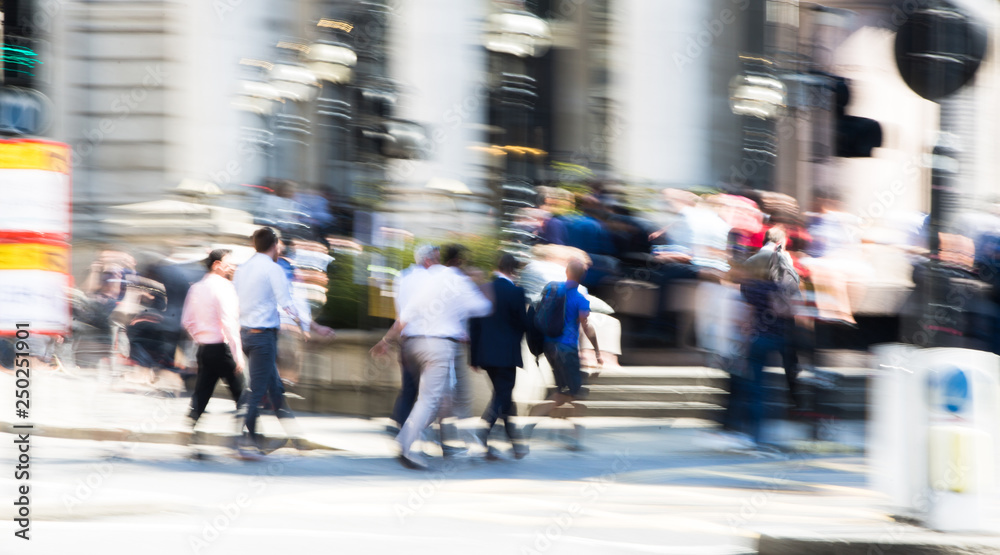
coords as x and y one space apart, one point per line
663 393
662 376
651 392
633 409
639 356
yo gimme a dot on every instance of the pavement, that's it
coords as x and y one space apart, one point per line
638 485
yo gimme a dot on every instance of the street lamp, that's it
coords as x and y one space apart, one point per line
332 62
261 99
515 35
294 82
256 97
757 96
518 33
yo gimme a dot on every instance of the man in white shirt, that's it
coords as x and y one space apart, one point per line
262 289
211 317
425 256
435 323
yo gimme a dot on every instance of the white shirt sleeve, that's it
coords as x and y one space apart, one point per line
187 312
397 285
474 303
229 314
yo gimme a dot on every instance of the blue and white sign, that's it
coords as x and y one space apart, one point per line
23 111
951 390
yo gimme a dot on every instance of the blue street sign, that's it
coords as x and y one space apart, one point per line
955 389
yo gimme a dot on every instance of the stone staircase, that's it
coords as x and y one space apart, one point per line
652 392
701 392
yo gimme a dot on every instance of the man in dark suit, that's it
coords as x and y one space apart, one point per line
495 346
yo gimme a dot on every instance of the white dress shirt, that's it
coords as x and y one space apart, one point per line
410 280
211 313
442 302
262 289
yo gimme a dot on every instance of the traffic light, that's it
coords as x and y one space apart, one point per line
20 48
855 136
23 109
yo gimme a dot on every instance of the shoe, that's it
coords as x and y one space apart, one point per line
268 445
520 450
249 454
301 444
411 462
492 454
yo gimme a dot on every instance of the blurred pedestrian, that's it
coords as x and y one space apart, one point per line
262 289
588 232
495 346
425 256
291 341
771 288
103 290
556 203
211 317
455 258
435 321
563 351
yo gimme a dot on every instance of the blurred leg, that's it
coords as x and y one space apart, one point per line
759 350
410 378
207 378
790 361
261 350
434 358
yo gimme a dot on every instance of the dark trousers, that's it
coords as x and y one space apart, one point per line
215 362
502 403
565 362
261 349
795 339
408 392
746 396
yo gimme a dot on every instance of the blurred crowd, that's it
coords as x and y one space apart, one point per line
126 313
746 277
753 280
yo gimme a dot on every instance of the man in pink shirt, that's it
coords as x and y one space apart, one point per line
212 317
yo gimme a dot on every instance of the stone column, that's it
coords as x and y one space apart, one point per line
439 65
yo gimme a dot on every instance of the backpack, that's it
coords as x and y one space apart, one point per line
550 316
783 274
534 336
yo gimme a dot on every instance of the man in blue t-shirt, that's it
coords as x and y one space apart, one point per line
563 353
